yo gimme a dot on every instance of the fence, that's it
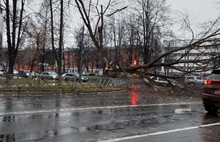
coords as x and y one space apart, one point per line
19 84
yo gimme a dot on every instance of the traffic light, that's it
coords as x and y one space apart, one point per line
134 62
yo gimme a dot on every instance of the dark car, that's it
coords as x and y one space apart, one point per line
52 75
211 92
23 73
1 73
74 77
26 74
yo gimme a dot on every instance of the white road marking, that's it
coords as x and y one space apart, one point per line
161 132
182 110
92 108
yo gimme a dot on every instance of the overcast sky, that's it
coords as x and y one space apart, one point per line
202 10
199 11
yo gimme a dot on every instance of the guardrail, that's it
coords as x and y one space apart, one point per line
19 84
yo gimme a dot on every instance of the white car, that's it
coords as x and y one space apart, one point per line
51 75
74 76
15 72
192 80
161 80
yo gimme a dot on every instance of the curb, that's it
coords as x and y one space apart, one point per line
54 93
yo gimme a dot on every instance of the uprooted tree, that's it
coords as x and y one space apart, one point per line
172 56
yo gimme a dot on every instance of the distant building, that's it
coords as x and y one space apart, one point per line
92 62
202 52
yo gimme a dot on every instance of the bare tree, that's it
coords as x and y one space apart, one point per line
52 29
61 38
14 18
152 15
115 31
1 48
208 38
57 8
96 34
44 16
89 53
37 35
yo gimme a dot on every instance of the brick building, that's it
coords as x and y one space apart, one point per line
91 62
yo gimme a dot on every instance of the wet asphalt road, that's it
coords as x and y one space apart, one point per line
106 117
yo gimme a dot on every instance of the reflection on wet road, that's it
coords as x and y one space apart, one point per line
104 117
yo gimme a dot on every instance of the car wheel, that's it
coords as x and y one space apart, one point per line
34 77
210 108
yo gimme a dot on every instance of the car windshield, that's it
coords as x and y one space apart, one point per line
70 74
199 78
189 77
52 73
76 74
153 77
161 79
214 76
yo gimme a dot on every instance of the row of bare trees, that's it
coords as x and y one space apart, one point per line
140 26
141 23
34 30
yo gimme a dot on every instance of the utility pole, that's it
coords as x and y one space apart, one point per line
81 52
60 40
1 48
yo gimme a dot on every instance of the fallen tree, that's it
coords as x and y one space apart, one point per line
207 39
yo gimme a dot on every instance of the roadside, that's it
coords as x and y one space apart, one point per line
157 92
188 93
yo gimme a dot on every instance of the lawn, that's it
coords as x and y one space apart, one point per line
28 84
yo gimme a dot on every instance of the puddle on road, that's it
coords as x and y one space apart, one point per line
7 138
8 118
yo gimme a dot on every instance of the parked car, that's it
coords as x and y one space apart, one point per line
14 75
15 72
1 73
26 74
74 76
160 80
192 80
23 73
52 75
211 92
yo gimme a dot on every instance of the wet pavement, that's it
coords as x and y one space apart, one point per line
107 116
